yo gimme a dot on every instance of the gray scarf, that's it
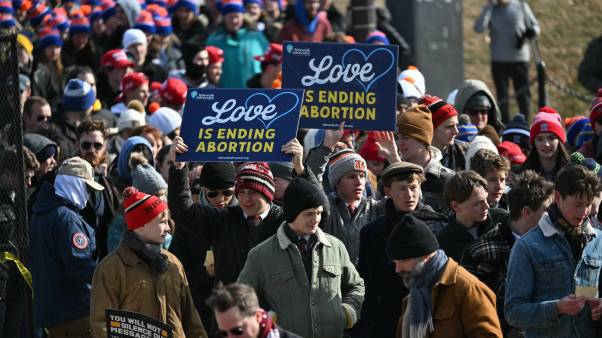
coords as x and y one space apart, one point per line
420 318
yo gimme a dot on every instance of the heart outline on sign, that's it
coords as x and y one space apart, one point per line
270 101
366 57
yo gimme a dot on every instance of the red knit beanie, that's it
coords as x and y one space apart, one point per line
369 150
440 109
596 109
140 208
512 152
255 176
547 124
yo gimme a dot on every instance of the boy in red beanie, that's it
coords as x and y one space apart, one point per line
141 277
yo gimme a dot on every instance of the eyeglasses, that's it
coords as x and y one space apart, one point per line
88 145
43 118
483 111
237 331
214 194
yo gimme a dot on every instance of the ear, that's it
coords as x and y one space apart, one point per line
455 206
387 191
557 196
525 212
258 315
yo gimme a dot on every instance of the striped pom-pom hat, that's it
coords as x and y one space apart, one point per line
255 176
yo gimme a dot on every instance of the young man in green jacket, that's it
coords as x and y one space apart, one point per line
301 273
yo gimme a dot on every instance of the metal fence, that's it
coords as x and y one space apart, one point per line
14 253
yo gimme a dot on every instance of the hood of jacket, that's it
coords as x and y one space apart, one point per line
37 142
471 87
123 168
48 200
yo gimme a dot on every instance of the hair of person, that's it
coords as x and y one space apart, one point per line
89 126
74 71
527 189
29 159
147 129
459 187
408 176
31 102
162 155
533 163
577 180
486 160
239 295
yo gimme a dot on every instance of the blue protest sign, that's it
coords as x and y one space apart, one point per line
355 83
239 124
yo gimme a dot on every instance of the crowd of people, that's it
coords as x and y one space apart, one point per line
466 221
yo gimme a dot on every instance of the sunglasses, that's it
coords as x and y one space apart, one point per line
474 112
214 194
43 118
237 331
88 145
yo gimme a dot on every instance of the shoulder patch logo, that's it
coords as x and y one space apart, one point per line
80 241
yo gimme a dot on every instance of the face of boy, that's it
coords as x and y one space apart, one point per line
496 183
573 208
307 221
405 194
474 209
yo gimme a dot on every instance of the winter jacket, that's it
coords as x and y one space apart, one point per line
455 238
487 258
541 270
240 50
123 281
341 223
507 23
62 248
384 287
462 306
468 89
294 31
454 157
436 175
321 307
227 229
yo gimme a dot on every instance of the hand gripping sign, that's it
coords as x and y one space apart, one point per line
239 124
355 83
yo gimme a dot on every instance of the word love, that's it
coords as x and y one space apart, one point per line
325 72
230 112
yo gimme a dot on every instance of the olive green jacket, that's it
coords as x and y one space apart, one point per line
320 308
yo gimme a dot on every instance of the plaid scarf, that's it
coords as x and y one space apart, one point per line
577 236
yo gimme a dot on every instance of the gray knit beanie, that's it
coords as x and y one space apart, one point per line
147 180
342 162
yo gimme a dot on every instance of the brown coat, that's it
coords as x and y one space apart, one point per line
462 306
123 281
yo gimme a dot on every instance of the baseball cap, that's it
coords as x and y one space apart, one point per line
78 167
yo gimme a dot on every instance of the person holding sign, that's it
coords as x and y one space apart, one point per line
553 282
141 277
233 230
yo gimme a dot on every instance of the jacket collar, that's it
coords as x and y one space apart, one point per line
450 273
548 229
434 165
285 242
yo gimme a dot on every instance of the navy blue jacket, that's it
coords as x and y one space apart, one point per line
62 248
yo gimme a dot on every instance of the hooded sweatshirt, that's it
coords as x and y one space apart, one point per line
123 168
468 89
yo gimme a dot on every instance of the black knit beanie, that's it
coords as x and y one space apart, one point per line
411 238
217 175
301 195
